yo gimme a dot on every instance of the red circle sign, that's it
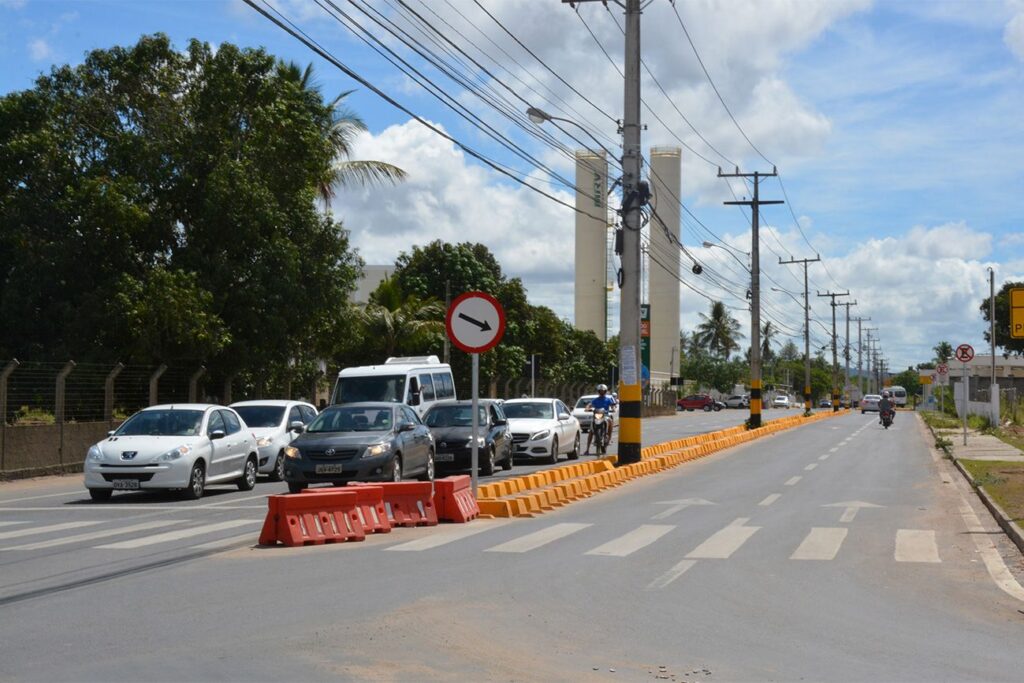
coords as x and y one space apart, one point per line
964 353
475 322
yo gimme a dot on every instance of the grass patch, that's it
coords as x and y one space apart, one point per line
1013 436
937 420
1004 481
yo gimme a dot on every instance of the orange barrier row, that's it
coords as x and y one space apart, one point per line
408 503
323 517
373 513
455 499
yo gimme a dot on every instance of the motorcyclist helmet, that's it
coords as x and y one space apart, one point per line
885 394
602 387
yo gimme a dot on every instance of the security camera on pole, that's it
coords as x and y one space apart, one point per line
475 323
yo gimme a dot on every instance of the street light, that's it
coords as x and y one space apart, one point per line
540 116
732 251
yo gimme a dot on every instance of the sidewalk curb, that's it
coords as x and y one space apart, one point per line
1011 528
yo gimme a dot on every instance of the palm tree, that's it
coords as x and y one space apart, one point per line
768 334
943 351
399 322
719 331
345 125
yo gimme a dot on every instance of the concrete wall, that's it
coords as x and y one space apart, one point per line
989 409
40 448
663 275
591 263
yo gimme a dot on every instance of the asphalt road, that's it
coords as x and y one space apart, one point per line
836 551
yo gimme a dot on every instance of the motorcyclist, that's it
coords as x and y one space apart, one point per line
886 406
605 401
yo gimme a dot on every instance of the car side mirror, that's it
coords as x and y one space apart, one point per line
217 434
298 426
499 423
110 433
406 427
564 416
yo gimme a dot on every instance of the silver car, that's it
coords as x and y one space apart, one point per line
869 402
275 424
182 446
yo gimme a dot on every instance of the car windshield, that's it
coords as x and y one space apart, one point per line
162 423
453 416
261 416
585 401
539 410
352 420
390 388
872 397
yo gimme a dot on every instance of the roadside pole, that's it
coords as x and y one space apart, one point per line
474 453
964 353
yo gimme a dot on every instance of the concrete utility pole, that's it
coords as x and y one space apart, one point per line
755 287
860 348
835 359
807 329
846 349
992 390
869 368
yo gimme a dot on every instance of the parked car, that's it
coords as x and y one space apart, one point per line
582 415
542 428
184 446
737 401
360 442
451 424
780 401
698 402
825 403
869 402
275 424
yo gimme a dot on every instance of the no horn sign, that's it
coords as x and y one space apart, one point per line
475 322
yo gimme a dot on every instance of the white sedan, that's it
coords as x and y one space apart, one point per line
781 401
183 446
275 424
542 428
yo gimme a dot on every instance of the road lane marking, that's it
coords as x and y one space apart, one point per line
810 467
833 450
916 545
11 523
722 544
538 538
178 535
76 492
231 501
770 499
93 535
627 544
793 481
224 542
64 526
822 543
671 575
446 536
824 457
848 515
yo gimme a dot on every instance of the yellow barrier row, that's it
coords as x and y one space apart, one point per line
541 491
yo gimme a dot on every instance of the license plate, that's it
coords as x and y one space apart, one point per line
126 484
330 469
444 457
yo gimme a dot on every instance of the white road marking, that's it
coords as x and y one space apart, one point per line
833 450
95 507
916 545
627 544
230 501
793 481
671 575
770 499
11 523
44 529
811 467
446 536
93 535
48 495
848 514
722 544
178 535
224 542
821 544
538 538
824 457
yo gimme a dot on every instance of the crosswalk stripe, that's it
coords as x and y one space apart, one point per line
793 481
11 523
722 544
629 543
821 544
93 535
671 575
224 542
19 533
538 538
178 535
916 545
446 536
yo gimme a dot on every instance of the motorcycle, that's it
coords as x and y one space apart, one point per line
887 418
602 432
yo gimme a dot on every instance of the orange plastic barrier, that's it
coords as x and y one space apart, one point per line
409 503
319 517
455 499
370 504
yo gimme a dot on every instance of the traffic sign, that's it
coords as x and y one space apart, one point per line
942 369
964 353
1017 313
475 322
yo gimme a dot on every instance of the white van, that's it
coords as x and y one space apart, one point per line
418 381
899 395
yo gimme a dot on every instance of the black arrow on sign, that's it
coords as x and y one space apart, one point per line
484 326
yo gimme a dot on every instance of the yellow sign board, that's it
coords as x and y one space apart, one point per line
926 379
1017 313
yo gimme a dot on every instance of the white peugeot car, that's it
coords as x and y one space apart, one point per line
542 428
182 446
275 424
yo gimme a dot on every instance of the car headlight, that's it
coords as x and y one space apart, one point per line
292 453
377 449
94 454
543 434
264 441
480 441
175 453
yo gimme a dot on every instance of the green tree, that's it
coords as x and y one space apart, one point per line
909 379
1003 338
719 331
943 352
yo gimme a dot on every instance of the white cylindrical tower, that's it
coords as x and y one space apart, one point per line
663 271
591 308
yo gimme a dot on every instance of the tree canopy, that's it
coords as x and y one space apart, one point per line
1003 338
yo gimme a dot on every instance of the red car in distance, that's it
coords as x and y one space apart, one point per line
698 402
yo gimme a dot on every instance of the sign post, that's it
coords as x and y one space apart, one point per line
942 370
964 353
475 323
1016 313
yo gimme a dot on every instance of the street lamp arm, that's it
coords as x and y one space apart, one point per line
539 116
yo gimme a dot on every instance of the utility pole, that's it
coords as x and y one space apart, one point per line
835 359
447 305
869 368
993 393
860 348
755 287
846 349
807 329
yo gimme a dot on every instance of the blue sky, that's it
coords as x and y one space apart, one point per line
895 125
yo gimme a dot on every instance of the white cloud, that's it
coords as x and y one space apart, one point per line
1013 35
40 50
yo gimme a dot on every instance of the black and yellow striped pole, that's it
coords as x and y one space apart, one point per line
807 329
755 403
